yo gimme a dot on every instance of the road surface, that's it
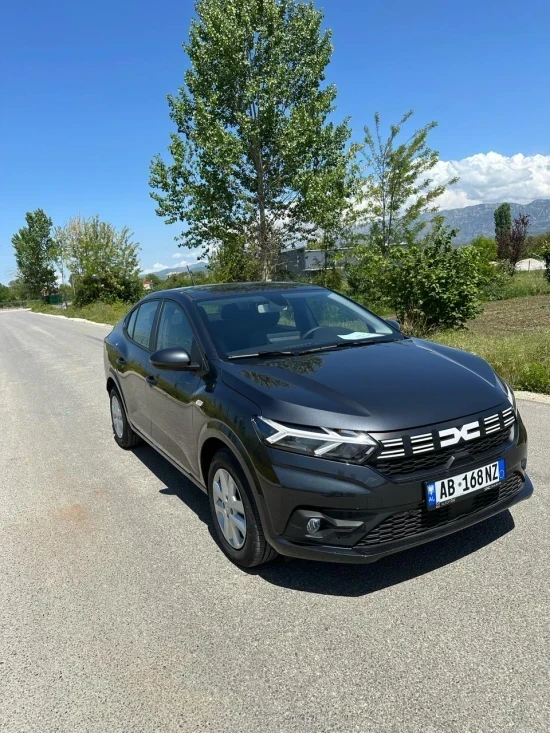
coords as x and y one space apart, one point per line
119 613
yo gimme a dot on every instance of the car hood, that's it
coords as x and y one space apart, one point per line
380 387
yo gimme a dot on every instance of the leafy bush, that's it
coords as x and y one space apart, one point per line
434 285
108 288
495 280
102 259
494 275
367 278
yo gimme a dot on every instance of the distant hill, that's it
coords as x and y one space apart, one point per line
163 274
471 221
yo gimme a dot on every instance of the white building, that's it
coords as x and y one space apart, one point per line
530 264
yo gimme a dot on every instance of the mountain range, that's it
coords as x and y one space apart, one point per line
163 274
471 221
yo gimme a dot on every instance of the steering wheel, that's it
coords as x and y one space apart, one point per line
312 331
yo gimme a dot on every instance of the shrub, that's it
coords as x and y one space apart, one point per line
329 278
367 277
107 288
495 279
434 285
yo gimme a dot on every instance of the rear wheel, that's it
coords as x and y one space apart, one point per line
124 435
235 514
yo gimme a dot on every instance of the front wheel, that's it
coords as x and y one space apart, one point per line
235 514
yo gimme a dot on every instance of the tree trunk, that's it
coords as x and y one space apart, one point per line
263 243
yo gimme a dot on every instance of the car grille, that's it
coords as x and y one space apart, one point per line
416 521
414 464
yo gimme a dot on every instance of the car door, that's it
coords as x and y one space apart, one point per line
171 396
133 364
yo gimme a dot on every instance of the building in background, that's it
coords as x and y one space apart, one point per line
530 264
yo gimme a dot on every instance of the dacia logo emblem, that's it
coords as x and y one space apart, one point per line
452 436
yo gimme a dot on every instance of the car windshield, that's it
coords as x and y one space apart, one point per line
290 321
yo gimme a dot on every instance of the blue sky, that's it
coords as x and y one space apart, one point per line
83 106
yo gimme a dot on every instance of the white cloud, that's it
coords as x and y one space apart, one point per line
181 263
156 267
487 178
185 259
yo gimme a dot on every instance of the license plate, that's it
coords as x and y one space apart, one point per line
439 493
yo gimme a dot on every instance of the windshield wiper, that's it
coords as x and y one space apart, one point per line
262 354
345 344
364 342
329 347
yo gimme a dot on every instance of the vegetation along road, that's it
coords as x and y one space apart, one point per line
117 611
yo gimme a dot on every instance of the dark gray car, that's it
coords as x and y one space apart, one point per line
318 429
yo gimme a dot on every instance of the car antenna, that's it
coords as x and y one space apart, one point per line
190 274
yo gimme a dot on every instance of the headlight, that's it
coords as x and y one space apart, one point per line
511 396
350 446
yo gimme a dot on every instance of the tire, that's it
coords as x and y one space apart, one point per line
122 431
249 548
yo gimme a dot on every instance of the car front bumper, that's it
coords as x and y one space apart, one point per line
360 554
364 515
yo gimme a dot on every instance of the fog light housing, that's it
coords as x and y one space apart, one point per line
313 525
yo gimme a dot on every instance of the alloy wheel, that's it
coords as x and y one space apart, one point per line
229 508
116 414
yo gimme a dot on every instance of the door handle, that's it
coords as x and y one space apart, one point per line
151 380
121 361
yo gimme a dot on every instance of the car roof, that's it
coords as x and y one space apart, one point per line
222 290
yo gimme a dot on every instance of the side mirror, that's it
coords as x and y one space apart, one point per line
173 357
395 324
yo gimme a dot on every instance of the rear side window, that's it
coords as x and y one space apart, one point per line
144 323
131 323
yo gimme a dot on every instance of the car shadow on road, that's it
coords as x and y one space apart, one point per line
337 579
358 580
175 482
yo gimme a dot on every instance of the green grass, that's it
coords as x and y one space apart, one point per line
523 284
514 336
99 312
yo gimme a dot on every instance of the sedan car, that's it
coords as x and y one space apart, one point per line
317 429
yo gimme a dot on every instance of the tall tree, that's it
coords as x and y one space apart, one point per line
398 188
256 165
103 260
545 254
503 230
518 238
35 253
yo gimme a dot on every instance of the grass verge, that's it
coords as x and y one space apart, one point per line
514 336
523 284
99 312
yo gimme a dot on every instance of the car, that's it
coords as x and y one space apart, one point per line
317 429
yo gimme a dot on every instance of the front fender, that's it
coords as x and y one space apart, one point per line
222 432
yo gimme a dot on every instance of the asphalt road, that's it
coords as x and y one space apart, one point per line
119 613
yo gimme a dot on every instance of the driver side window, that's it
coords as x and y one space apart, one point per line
175 330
